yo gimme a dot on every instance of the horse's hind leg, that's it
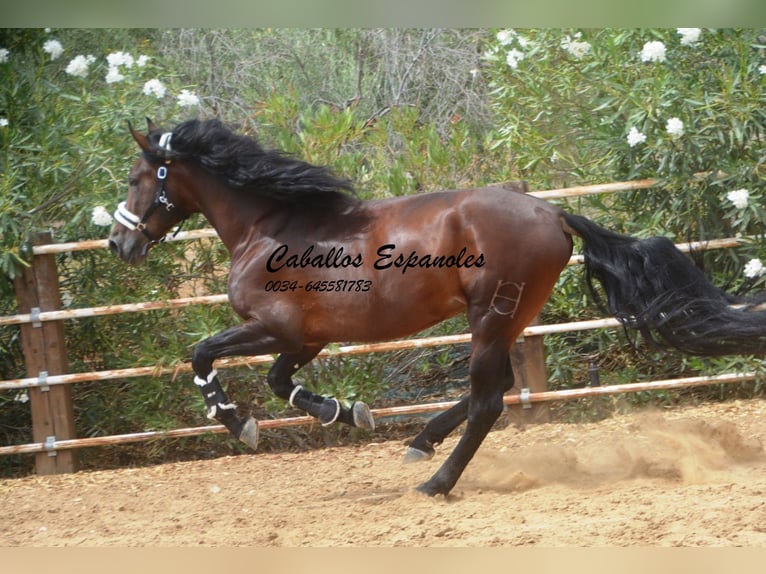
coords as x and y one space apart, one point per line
439 427
484 407
327 410
436 430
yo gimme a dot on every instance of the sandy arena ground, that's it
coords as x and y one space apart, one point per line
687 477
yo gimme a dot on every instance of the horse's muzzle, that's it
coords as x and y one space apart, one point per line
131 247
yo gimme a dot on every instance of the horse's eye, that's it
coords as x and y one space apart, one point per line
132 182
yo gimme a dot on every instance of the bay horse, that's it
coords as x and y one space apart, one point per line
312 264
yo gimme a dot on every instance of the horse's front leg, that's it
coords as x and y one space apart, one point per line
327 410
248 339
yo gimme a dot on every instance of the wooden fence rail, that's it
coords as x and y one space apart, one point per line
514 399
388 346
57 315
41 321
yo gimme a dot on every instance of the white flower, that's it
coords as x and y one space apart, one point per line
689 36
114 75
154 88
635 137
54 48
117 59
101 216
142 60
754 268
514 57
3 55
3 122
79 66
762 69
578 49
505 37
675 127
21 397
739 197
187 99
575 47
653 52
523 42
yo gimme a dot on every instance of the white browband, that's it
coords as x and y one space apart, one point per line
165 141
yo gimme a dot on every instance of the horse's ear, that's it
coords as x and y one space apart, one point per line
150 125
141 139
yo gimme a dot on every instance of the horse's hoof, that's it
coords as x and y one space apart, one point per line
249 433
416 455
362 416
429 489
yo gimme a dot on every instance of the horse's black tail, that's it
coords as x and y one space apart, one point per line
653 287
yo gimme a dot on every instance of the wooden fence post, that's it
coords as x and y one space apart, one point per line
37 289
531 376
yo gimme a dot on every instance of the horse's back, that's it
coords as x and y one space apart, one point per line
512 229
506 238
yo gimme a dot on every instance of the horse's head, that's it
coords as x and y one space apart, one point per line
149 211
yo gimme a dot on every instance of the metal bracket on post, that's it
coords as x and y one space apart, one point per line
50 445
34 316
42 381
524 396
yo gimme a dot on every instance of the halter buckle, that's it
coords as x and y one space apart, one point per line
163 199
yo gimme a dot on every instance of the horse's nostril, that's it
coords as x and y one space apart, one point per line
113 246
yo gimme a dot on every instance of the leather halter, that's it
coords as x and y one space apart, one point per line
135 223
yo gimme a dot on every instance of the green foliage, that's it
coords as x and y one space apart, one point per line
64 147
601 113
686 108
376 154
65 152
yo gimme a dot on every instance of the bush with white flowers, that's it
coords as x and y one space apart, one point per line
65 98
682 105
62 113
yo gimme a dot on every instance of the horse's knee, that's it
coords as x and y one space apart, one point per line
202 363
280 383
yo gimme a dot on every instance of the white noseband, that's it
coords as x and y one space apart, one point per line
126 217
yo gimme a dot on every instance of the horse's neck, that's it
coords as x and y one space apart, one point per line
236 216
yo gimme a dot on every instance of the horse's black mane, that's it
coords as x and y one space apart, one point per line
244 164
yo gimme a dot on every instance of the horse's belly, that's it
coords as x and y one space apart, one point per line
368 321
